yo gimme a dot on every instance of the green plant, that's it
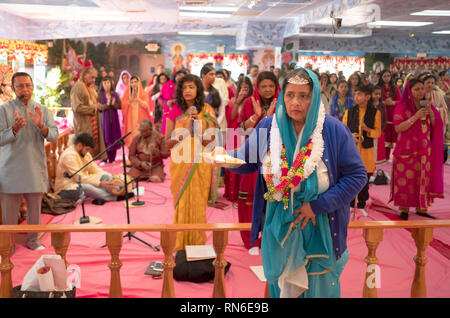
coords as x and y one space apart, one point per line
50 93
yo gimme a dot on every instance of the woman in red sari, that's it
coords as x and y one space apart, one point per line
234 140
390 95
417 169
261 104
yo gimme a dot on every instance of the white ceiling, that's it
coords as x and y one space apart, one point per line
50 19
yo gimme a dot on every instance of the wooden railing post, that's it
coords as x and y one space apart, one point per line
422 237
6 244
267 291
114 243
60 243
220 241
168 240
373 237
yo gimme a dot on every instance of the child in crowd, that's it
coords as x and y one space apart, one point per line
364 121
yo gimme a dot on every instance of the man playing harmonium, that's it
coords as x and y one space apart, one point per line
147 151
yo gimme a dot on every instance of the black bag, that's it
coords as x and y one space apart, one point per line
381 178
57 206
194 271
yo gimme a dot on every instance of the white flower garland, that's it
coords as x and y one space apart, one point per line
275 151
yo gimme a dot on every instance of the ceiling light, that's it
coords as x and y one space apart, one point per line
209 9
441 32
332 35
195 33
435 13
204 15
399 23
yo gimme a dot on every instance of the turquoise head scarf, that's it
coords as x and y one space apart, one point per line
309 187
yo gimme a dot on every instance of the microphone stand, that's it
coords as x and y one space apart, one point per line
84 218
138 202
121 140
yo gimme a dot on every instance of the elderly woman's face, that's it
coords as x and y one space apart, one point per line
266 89
297 99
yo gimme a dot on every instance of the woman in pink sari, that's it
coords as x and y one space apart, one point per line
417 169
167 97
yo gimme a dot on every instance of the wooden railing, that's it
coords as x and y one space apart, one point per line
60 238
422 233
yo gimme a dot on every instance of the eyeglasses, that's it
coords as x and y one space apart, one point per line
22 86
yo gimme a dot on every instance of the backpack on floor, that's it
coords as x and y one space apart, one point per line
381 178
194 271
55 205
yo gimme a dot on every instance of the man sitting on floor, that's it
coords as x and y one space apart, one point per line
147 151
95 182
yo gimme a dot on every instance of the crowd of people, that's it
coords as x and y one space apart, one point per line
327 135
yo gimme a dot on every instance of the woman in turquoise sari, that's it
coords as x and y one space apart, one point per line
309 171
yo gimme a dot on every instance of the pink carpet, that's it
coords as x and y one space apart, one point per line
395 252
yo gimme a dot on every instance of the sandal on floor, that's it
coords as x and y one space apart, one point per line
424 214
403 215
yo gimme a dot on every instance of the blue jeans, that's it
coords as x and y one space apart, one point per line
90 191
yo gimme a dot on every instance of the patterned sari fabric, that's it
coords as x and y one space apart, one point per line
134 110
191 179
417 170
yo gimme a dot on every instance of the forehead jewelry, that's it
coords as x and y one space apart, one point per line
298 80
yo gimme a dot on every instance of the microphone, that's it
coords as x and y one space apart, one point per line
192 108
66 174
423 103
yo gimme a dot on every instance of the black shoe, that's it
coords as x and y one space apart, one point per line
122 197
98 201
403 215
424 214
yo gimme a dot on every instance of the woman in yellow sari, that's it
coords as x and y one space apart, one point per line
135 108
191 176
